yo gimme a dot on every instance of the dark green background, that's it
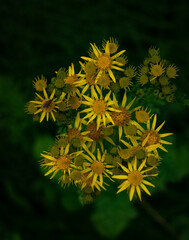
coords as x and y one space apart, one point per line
38 37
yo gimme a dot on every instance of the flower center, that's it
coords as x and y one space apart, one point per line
153 137
94 134
74 102
121 118
125 153
131 130
156 70
97 167
40 84
48 105
75 175
90 68
104 80
113 47
103 62
73 133
63 162
135 178
99 106
142 116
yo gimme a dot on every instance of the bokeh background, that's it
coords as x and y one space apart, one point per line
40 36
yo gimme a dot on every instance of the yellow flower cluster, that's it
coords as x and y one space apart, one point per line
104 136
158 73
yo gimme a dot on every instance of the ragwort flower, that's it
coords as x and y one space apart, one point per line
134 179
46 105
96 168
99 108
63 163
104 61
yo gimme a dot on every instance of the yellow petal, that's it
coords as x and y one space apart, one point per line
148 183
42 116
45 93
111 75
138 192
157 130
142 165
120 177
154 122
124 100
118 54
145 189
131 193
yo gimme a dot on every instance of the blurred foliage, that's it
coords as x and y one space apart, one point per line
39 37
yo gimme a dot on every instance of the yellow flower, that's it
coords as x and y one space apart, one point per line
75 135
47 105
73 79
103 61
63 163
96 136
171 71
142 115
123 117
151 136
99 108
96 168
40 83
138 149
134 179
157 70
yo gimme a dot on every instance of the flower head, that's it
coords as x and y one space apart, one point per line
134 178
103 61
96 168
99 108
151 135
46 105
123 117
63 163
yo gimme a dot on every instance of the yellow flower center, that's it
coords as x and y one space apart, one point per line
97 167
73 133
135 178
153 137
142 116
121 118
31 108
63 162
156 70
94 134
99 106
104 80
103 62
113 47
90 68
48 105
125 153
40 84
75 175
74 102
131 130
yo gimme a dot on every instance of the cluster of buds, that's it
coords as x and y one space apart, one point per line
103 137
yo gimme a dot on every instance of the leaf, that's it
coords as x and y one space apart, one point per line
113 214
41 144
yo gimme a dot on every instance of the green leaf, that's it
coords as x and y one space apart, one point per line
113 214
43 143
